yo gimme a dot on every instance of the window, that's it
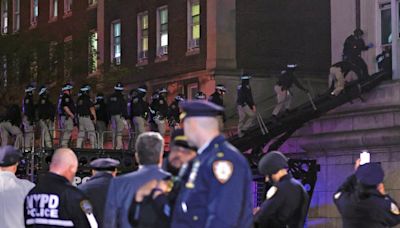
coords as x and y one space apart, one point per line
93 48
4 16
53 9
53 59
16 15
34 12
386 24
4 73
162 31
116 42
67 57
143 36
193 24
92 2
67 7
192 89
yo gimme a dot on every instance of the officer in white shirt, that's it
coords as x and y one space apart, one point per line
12 189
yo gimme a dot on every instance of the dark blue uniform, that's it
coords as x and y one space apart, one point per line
245 97
173 113
369 209
96 188
54 202
117 105
28 108
218 190
285 206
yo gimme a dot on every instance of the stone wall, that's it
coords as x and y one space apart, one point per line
336 139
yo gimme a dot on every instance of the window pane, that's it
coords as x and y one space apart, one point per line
117 29
164 39
36 8
195 9
55 8
164 16
145 22
145 44
385 25
196 32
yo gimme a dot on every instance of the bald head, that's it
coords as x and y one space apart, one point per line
199 130
64 163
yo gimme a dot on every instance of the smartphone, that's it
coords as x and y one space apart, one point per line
365 157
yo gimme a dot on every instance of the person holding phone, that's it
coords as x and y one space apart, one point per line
362 200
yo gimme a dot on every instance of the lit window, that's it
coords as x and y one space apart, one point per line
93 55
193 24
34 12
143 36
16 15
162 31
116 42
53 9
92 2
53 60
67 57
4 73
4 16
67 7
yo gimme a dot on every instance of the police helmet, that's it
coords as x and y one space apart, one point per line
119 86
272 162
245 77
180 97
155 96
358 32
291 66
220 87
42 90
200 96
142 89
85 88
162 90
99 96
67 86
29 88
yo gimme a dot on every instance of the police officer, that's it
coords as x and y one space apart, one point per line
245 105
67 114
218 98
161 111
10 125
102 118
153 111
174 111
218 173
46 114
362 200
117 110
28 119
13 190
282 89
55 201
86 116
140 110
352 48
200 96
96 188
286 201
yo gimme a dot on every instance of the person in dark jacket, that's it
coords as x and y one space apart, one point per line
102 118
245 105
28 119
174 111
55 201
117 109
46 113
10 125
140 110
286 201
362 200
86 117
67 112
282 89
218 98
352 48
96 188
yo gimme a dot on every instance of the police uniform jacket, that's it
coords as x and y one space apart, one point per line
45 109
28 107
285 206
218 190
368 210
83 105
55 202
353 47
13 115
174 112
121 192
287 79
101 111
96 189
117 105
66 101
245 97
216 98
162 107
139 107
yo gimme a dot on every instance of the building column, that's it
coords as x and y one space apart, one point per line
395 39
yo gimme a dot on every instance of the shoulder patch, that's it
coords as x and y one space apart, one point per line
394 209
86 206
66 99
271 192
222 170
337 195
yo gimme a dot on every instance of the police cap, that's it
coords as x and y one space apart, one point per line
119 86
291 66
100 96
142 89
9 156
370 173
200 95
272 162
85 88
42 90
29 88
178 138
245 77
220 87
180 97
162 90
67 86
198 108
104 164
358 32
